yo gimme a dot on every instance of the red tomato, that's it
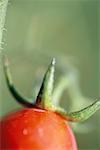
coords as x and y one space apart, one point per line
36 129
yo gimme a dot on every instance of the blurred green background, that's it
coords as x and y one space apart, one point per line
37 31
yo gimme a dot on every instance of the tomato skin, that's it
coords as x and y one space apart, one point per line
36 129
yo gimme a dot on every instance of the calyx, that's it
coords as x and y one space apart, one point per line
44 98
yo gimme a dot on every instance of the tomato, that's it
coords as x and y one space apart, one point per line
40 126
36 129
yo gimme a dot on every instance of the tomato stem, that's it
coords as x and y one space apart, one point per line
44 98
14 92
80 115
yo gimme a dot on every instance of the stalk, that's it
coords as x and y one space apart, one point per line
3 9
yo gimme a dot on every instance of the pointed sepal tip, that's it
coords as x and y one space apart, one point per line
44 98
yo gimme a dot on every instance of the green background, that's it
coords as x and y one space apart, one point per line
37 31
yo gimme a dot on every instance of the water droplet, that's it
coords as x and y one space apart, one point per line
40 130
25 132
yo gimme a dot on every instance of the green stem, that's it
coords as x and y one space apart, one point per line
3 9
14 92
44 98
69 82
80 115
62 84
